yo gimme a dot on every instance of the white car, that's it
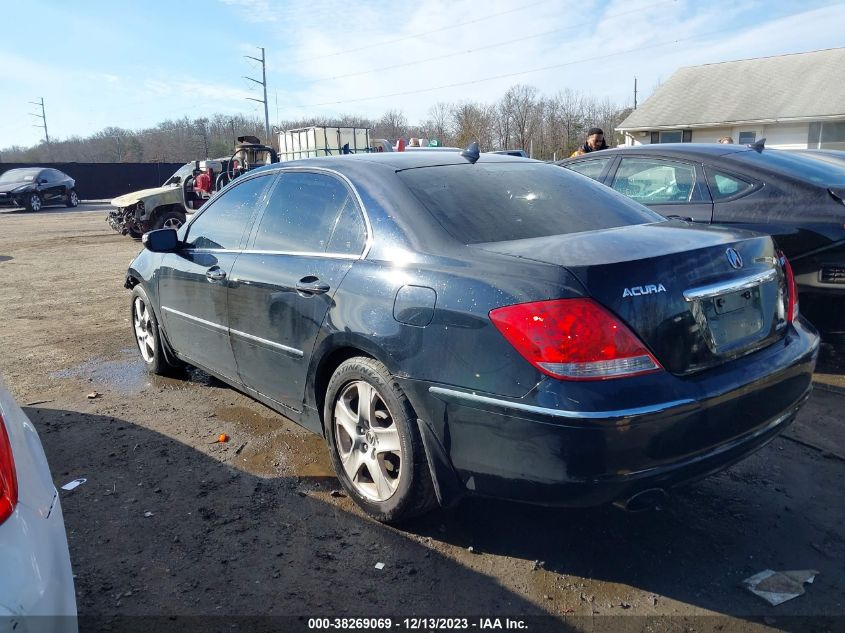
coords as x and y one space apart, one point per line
35 573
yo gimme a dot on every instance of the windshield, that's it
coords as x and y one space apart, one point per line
496 202
180 175
20 175
794 165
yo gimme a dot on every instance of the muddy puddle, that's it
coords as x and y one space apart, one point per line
129 375
272 445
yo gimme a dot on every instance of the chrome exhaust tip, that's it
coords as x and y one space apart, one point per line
649 499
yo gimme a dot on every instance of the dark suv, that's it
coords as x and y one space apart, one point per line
36 187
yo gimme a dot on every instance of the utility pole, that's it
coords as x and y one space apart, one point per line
635 93
263 84
43 117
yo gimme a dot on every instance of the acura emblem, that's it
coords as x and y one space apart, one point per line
734 258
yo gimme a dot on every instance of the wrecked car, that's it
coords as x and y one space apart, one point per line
168 206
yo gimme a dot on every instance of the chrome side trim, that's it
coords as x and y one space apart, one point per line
734 285
190 317
289 350
252 251
473 400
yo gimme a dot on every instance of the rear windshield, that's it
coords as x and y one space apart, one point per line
497 202
19 175
794 165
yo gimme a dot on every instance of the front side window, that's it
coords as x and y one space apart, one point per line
656 181
311 213
592 168
222 223
496 202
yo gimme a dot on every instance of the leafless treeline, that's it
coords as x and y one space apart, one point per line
522 118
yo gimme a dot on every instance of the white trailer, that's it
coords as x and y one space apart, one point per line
320 140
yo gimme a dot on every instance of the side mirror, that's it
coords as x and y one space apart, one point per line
161 241
42 181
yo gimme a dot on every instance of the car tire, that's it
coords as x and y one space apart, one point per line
168 220
72 199
33 202
389 485
147 335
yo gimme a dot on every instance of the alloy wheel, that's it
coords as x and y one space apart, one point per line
367 441
35 202
172 223
143 325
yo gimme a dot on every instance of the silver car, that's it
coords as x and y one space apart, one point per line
35 573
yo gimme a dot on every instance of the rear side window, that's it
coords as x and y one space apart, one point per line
222 223
311 213
495 202
724 185
590 168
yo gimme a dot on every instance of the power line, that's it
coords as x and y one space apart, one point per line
263 84
43 117
422 34
507 75
480 48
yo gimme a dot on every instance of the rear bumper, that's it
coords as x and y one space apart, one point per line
36 579
529 451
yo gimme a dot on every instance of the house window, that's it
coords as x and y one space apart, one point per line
746 138
833 136
674 136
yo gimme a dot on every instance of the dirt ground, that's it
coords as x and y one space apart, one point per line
172 523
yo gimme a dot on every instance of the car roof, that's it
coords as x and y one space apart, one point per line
398 161
671 149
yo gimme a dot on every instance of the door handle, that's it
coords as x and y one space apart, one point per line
312 286
215 274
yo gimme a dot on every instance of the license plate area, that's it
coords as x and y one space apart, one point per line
733 318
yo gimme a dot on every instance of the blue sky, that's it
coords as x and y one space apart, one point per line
132 64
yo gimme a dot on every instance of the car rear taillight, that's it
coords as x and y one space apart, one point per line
573 339
791 289
8 478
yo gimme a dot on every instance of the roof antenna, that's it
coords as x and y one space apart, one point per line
758 146
471 153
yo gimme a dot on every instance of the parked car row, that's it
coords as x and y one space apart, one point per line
797 197
456 323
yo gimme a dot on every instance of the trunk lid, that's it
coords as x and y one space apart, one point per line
697 297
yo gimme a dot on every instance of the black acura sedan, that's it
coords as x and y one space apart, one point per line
36 187
797 198
461 324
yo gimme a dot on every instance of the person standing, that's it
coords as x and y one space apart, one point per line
595 142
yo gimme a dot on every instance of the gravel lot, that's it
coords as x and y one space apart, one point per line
256 525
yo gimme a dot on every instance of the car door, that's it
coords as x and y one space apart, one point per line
193 282
310 233
47 186
669 187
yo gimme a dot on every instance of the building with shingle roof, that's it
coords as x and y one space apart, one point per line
793 101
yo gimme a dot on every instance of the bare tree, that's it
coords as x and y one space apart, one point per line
391 125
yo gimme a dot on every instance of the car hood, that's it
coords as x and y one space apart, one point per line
11 186
131 198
